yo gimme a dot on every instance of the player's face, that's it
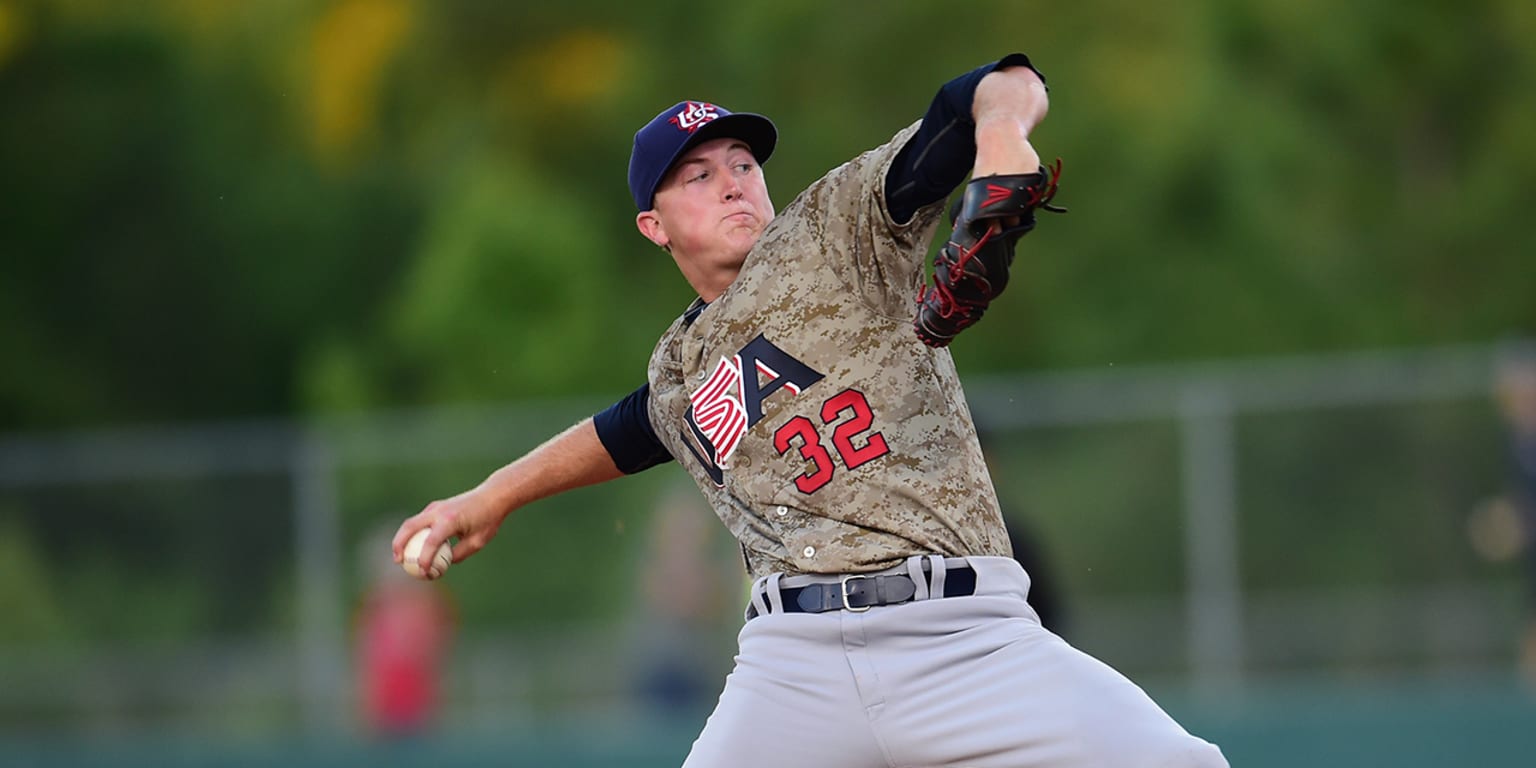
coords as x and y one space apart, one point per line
713 205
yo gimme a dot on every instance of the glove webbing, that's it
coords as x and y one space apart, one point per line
972 268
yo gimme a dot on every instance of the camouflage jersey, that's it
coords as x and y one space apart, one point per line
826 436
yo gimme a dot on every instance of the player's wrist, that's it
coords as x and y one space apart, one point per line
498 497
1003 148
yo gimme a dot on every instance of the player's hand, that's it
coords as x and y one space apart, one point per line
472 516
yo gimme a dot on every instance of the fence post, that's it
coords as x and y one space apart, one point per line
322 643
1214 595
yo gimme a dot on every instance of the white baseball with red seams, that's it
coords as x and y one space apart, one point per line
440 561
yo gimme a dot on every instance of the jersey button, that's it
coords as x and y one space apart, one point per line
809 552
781 511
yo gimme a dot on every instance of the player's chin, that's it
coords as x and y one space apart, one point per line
742 236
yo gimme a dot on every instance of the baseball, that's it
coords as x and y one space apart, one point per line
440 563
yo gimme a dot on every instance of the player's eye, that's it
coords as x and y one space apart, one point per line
744 167
700 176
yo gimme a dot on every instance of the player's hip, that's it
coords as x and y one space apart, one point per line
917 579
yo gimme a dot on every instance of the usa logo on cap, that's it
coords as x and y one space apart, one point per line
693 115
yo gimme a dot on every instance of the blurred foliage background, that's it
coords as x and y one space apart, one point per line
310 210
216 208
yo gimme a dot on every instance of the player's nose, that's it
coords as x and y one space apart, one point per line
733 189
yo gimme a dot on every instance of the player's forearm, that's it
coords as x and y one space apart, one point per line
572 459
1009 104
943 151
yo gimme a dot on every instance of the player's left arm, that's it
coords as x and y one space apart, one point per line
943 151
1010 101
892 193
1007 185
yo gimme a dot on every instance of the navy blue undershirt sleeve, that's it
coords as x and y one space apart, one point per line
938 157
625 430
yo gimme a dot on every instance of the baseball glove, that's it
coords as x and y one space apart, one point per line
972 269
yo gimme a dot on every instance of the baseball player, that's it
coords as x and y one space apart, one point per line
1515 383
810 394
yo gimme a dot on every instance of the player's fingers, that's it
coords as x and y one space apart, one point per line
403 534
469 545
1005 222
438 534
409 527
463 549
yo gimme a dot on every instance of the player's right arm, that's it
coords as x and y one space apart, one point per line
617 441
572 459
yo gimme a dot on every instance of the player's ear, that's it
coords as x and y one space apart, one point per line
650 225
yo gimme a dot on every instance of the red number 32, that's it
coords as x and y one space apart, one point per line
853 456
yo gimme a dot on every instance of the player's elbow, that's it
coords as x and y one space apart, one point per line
1016 92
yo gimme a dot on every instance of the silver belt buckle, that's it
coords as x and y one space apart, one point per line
845 581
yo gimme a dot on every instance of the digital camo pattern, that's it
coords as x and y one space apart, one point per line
866 453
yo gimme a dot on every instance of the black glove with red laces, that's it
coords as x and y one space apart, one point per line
972 268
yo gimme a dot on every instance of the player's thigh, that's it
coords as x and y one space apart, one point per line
790 700
1004 692
1102 718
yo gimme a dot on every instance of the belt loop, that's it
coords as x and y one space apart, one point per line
915 572
936 586
775 598
757 595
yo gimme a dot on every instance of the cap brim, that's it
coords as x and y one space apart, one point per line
757 131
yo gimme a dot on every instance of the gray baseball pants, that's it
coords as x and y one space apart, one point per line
960 681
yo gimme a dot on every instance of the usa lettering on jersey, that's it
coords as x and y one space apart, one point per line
731 399
718 414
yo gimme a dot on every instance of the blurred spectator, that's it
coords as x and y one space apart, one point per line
1516 383
1044 595
404 627
693 588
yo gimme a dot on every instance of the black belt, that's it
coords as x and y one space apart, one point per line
856 592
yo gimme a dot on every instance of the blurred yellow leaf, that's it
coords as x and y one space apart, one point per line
12 29
1148 71
574 69
351 44
205 17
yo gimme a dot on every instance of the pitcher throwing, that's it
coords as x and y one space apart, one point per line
810 393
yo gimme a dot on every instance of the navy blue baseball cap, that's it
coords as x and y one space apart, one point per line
682 126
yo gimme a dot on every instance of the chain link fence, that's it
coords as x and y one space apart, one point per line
1210 529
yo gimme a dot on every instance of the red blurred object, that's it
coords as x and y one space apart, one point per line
403 633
